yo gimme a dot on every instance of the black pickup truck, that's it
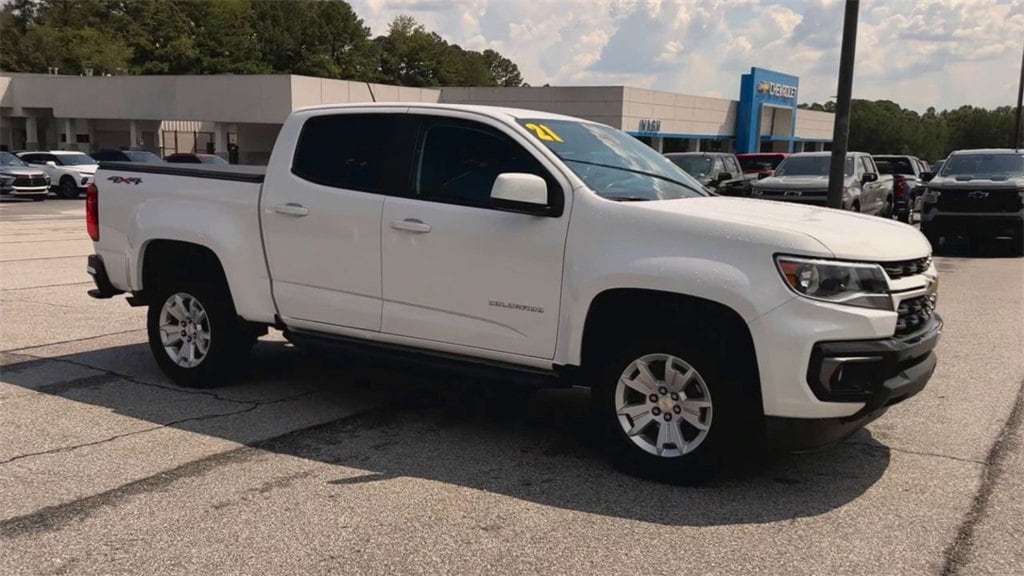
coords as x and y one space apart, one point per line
978 195
719 171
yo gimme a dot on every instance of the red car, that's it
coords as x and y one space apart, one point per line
761 163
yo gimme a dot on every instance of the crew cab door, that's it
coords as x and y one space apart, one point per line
456 269
320 213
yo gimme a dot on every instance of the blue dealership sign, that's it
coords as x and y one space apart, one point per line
758 89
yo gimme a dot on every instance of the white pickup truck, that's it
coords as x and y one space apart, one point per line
530 247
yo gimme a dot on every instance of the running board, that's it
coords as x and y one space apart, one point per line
435 362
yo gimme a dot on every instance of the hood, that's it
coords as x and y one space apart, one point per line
21 171
794 182
999 183
847 235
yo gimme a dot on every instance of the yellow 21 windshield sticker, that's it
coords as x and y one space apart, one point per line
543 132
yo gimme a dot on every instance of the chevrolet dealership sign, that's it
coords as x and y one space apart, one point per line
773 89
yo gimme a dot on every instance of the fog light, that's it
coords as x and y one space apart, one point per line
849 376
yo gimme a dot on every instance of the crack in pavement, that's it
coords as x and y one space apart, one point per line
73 340
917 452
132 379
55 517
254 405
47 286
958 552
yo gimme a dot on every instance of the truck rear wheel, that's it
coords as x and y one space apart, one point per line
195 335
667 412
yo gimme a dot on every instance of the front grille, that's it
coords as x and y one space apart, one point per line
804 196
974 200
914 313
27 182
904 268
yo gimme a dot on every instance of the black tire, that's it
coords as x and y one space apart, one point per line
855 207
905 217
68 188
730 427
230 338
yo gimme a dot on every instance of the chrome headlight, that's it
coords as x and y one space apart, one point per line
848 283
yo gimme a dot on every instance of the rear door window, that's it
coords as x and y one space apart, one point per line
350 151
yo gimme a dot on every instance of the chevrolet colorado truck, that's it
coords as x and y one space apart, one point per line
978 195
803 178
527 247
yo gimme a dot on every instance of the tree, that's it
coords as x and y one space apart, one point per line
503 71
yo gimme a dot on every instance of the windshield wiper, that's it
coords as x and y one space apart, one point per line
628 198
651 174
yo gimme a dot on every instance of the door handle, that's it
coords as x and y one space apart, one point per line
291 209
411 225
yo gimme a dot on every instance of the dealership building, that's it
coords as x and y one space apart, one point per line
241 115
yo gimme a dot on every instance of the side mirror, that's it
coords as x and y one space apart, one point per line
51 163
723 177
870 177
927 176
762 175
520 192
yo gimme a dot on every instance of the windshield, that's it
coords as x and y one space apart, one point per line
142 156
755 163
8 159
984 165
694 165
612 163
211 159
809 166
894 165
75 159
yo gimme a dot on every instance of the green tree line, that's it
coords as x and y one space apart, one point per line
323 38
884 127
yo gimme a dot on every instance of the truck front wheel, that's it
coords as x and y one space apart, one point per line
195 335
667 412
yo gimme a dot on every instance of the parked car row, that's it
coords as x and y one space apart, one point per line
68 173
972 195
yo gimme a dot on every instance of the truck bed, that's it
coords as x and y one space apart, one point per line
234 172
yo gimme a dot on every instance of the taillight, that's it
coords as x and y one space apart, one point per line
92 212
899 186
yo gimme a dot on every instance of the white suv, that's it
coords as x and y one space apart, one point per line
70 172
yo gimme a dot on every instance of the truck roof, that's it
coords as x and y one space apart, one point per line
995 151
806 154
493 111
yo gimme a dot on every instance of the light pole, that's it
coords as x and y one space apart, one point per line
1018 135
841 131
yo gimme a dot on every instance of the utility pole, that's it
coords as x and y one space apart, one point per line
1018 135
841 131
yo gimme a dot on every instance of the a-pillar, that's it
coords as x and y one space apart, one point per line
31 133
220 139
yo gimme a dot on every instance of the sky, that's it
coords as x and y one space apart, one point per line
941 53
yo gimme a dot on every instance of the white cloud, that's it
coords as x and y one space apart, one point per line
919 53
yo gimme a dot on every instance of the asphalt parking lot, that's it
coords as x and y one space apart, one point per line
313 465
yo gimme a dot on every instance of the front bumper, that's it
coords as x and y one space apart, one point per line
989 224
876 373
104 289
24 190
